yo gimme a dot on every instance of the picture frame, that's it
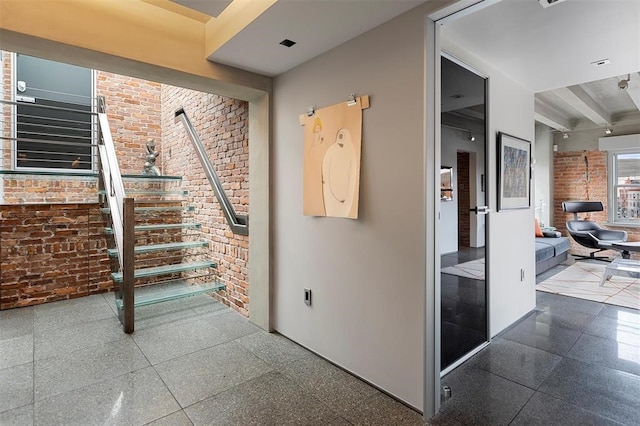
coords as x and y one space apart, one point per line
514 172
446 182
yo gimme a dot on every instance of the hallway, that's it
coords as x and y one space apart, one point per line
193 361
190 361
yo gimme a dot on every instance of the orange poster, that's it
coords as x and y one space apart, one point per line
332 146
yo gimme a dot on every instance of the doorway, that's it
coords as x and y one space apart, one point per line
463 282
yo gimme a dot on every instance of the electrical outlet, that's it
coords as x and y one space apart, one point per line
307 297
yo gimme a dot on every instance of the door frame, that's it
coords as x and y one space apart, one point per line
485 77
432 150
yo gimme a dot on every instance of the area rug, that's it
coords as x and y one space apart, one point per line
582 280
473 269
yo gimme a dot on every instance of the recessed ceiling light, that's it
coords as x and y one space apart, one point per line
288 43
601 62
547 3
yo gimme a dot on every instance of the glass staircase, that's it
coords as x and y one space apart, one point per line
170 254
157 252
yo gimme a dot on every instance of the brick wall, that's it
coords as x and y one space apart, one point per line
222 125
582 175
51 252
463 196
133 108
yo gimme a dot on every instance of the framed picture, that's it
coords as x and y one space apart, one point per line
514 173
446 180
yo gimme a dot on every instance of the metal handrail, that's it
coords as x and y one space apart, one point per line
114 187
121 208
239 224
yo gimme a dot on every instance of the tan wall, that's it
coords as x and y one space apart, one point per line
135 36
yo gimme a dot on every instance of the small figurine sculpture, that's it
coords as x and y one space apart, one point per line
150 167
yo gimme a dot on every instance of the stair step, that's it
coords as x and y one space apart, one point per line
160 226
170 291
165 269
162 247
107 210
150 177
179 192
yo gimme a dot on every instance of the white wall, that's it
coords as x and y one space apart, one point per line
367 275
543 195
454 141
510 247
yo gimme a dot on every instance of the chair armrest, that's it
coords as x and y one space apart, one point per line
610 235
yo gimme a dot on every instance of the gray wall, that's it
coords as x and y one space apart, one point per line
367 275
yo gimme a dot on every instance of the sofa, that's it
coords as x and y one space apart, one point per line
551 250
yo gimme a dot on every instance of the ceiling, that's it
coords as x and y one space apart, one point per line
551 51
548 50
316 26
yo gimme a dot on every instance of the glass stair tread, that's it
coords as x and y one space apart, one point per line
107 210
165 269
150 177
138 201
180 192
162 247
156 293
160 226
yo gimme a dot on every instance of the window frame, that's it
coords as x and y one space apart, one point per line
613 186
14 128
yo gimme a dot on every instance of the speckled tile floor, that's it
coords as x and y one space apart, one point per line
190 361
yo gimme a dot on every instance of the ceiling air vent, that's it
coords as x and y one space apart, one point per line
547 3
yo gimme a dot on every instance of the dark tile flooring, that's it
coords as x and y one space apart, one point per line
463 309
570 362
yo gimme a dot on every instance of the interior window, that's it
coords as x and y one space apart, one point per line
53 120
